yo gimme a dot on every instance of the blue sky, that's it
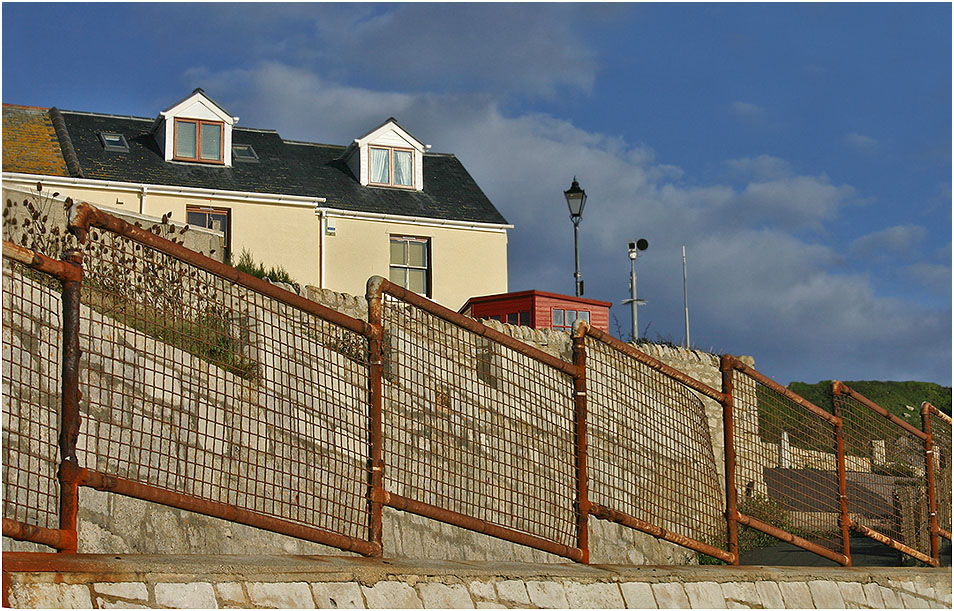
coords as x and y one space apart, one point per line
801 152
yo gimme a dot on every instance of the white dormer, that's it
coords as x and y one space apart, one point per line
388 156
196 130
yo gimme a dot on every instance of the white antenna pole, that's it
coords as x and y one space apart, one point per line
685 292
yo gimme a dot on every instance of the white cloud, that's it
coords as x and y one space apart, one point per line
935 277
752 290
461 47
763 167
891 241
747 111
861 142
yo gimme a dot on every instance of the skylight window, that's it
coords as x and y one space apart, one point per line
113 141
243 152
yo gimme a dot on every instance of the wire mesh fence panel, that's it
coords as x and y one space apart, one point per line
32 374
941 437
786 467
649 450
197 385
474 427
885 469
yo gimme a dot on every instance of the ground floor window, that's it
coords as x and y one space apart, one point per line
411 264
564 319
218 219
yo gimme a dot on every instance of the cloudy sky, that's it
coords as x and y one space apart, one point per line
801 153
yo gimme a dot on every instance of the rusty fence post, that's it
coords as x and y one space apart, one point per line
376 432
728 435
844 518
69 471
929 474
579 394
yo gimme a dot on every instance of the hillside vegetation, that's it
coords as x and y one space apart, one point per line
895 397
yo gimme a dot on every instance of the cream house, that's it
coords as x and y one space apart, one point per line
332 216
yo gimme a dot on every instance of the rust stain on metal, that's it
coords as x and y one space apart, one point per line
481 526
604 513
778 533
653 363
728 436
579 417
873 534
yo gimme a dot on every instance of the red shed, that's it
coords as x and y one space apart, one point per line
539 310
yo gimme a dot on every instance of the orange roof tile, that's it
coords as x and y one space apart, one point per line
29 142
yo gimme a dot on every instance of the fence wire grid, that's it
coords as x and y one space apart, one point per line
941 437
786 467
649 450
885 469
200 386
474 427
32 377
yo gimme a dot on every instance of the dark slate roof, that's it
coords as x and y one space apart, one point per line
284 167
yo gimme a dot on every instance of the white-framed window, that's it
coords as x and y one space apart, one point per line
391 167
197 140
564 319
411 264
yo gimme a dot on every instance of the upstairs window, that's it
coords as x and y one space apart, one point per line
113 141
391 167
410 264
198 141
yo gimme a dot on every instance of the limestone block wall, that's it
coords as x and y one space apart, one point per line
329 583
157 414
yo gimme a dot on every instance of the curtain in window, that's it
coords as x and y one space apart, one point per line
211 141
185 139
402 168
379 166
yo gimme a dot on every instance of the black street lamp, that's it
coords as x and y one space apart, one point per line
575 200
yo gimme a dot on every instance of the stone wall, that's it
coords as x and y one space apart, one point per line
42 228
118 581
154 413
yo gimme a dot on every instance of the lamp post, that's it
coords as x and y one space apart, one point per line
575 200
634 248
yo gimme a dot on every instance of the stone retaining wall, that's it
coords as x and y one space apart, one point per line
322 582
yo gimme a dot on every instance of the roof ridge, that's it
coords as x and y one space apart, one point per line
66 143
306 143
9 105
103 114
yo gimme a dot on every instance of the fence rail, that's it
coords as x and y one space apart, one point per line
890 500
787 466
209 390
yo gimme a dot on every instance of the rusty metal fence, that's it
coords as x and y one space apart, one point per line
478 429
649 451
938 426
890 491
786 465
33 353
209 390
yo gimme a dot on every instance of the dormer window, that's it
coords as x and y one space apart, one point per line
198 141
391 167
387 156
195 130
